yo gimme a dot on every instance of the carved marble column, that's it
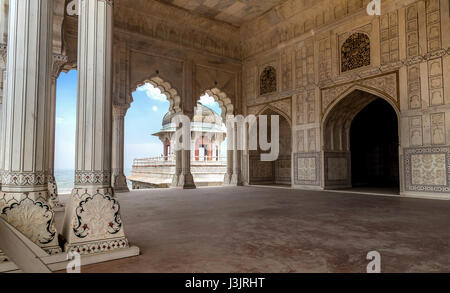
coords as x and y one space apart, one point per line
3 54
58 62
178 168
119 181
229 175
92 221
24 197
186 180
236 179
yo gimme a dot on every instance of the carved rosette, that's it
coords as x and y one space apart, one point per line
95 222
31 215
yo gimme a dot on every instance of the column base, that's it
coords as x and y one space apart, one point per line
120 183
175 180
236 179
53 193
227 179
186 181
92 221
32 215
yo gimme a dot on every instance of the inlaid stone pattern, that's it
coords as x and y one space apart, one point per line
389 34
427 169
415 131
33 216
433 24
412 31
435 83
307 169
438 136
312 139
301 140
414 99
304 63
355 52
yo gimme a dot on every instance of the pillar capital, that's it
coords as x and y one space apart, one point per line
120 110
57 64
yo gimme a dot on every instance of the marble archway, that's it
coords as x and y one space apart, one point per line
336 126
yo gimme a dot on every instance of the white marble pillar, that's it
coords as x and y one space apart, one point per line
57 63
4 6
119 181
178 168
236 178
3 55
92 221
186 180
24 197
229 175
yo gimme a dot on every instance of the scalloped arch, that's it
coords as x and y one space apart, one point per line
166 88
224 102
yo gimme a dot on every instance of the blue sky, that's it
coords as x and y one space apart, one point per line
143 118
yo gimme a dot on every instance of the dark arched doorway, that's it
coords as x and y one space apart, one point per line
374 146
361 140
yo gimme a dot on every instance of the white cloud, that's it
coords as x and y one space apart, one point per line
152 92
207 100
155 108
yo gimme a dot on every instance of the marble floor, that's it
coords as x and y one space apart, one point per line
263 229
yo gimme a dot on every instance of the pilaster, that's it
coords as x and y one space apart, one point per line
118 179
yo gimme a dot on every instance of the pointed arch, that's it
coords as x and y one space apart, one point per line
276 110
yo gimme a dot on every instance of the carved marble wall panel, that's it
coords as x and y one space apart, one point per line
312 140
286 69
414 95
427 169
306 107
304 63
415 131
337 169
433 24
438 136
301 141
250 82
324 59
435 82
389 37
412 31
307 168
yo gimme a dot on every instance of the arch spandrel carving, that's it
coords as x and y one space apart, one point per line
385 85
